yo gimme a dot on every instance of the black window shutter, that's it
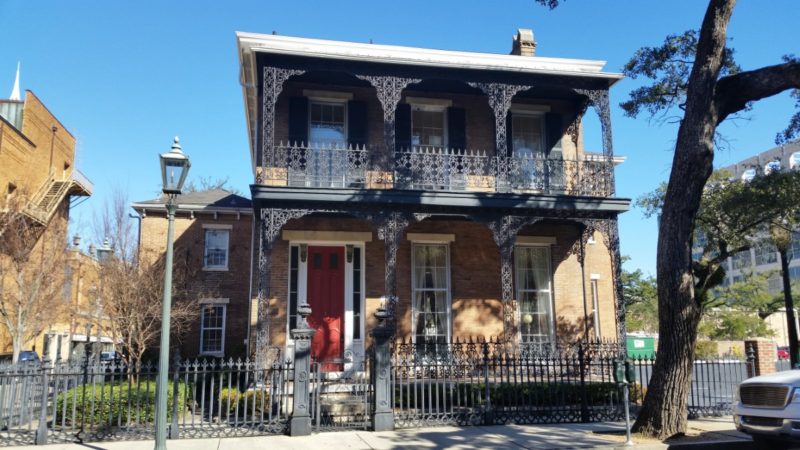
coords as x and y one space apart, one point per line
509 134
402 127
298 120
554 131
357 123
456 128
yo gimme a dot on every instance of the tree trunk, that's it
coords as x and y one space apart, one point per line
791 324
664 411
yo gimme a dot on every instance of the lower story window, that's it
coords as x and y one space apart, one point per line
212 329
532 267
431 294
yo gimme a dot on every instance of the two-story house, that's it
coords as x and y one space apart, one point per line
453 188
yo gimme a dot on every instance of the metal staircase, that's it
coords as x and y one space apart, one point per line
44 204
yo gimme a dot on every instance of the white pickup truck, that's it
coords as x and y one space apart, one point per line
768 409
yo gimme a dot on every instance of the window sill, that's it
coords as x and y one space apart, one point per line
213 354
215 269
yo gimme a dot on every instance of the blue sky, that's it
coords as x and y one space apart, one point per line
125 77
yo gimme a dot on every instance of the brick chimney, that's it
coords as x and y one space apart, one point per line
523 44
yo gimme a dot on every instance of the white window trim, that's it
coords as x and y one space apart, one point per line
536 240
224 326
430 238
594 283
432 104
227 228
523 108
214 301
449 290
327 96
552 321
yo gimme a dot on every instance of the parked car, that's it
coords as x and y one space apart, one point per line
112 357
768 409
25 357
783 352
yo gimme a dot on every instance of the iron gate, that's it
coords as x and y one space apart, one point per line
341 395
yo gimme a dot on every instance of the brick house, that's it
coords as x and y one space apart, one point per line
213 232
37 172
454 188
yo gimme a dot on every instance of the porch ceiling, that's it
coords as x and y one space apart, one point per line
438 202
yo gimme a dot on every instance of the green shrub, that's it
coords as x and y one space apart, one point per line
115 402
231 398
705 350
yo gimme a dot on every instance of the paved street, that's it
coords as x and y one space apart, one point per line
706 434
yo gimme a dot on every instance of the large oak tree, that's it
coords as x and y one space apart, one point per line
693 72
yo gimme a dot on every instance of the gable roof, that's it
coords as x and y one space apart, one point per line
212 199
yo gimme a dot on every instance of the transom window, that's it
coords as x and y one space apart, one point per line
327 124
527 135
431 294
216 249
212 329
428 127
532 267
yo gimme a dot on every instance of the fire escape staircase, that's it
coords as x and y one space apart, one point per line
44 204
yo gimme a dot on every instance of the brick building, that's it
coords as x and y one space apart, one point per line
213 232
454 188
37 172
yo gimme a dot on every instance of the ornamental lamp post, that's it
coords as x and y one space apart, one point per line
174 168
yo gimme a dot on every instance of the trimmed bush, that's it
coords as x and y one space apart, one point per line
115 402
231 398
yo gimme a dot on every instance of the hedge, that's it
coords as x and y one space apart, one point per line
115 402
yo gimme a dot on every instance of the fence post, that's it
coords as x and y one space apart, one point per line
300 424
41 431
584 402
173 426
383 418
488 414
751 360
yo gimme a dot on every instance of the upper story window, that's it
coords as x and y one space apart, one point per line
766 253
216 248
327 125
428 126
527 135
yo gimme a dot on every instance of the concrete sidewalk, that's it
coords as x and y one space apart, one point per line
706 434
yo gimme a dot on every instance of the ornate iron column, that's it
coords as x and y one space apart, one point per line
389 89
599 100
390 231
274 78
383 416
300 424
500 96
504 231
272 220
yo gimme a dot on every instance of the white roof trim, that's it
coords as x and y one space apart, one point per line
394 54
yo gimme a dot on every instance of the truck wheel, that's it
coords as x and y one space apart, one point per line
768 443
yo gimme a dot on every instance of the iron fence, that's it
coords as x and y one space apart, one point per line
341 395
93 402
486 383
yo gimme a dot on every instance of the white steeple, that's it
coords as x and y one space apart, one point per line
15 90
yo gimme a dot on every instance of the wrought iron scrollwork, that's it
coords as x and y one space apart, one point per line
274 78
500 96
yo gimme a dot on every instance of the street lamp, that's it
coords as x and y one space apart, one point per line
174 167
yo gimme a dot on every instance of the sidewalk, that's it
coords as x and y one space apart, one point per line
705 433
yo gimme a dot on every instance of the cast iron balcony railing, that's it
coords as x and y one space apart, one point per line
434 169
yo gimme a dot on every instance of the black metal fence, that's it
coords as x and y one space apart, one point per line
96 402
486 383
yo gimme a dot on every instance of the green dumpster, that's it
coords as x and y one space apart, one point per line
641 347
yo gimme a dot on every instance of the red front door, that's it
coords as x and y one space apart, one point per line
326 298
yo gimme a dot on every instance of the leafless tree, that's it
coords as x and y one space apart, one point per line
33 264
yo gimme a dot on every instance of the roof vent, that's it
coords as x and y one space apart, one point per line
523 44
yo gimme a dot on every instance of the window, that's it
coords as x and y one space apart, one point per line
294 275
428 127
527 135
326 125
532 266
766 253
741 260
216 249
794 273
794 250
595 315
212 329
431 294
